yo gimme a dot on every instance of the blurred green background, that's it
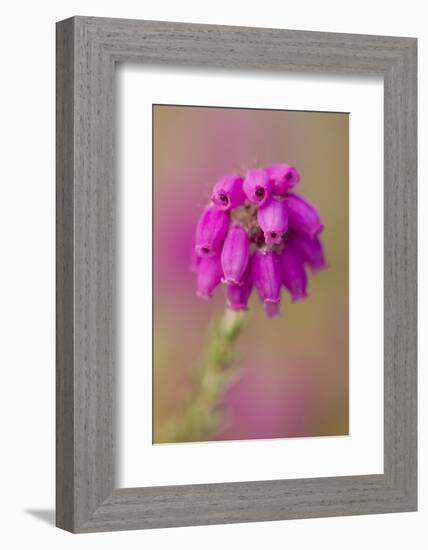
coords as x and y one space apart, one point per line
294 369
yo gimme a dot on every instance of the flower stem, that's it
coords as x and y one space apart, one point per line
202 413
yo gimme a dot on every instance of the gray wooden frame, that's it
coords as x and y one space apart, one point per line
87 50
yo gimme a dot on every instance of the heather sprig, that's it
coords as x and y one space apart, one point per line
257 232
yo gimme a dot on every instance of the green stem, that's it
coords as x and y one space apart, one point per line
202 413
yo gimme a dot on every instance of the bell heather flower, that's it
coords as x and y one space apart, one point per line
294 274
235 254
211 231
209 274
311 251
257 233
273 219
303 216
228 192
238 295
257 186
283 176
267 277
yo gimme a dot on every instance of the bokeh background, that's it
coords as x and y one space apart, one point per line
294 369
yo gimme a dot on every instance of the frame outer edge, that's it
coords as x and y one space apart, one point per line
86 498
65 108
400 316
94 274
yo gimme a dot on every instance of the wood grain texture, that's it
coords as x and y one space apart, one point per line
64 276
87 50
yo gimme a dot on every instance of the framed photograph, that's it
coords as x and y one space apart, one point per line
236 274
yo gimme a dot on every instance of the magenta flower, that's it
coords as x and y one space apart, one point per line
211 231
283 176
267 277
303 216
294 274
228 192
273 219
235 254
238 295
257 233
209 274
311 251
257 186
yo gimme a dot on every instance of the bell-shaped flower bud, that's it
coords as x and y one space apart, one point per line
211 231
228 192
273 219
235 254
208 276
257 186
303 216
295 278
283 176
238 295
311 251
267 278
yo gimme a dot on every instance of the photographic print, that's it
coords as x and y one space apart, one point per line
201 346
250 274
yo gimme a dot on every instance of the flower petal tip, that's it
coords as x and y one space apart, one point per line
284 177
317 231
272 309
204 250
299 297
204 295
273 220
319 268
228 193
231 281
257 186
273 237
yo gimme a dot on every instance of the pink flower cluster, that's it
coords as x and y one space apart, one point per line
257 232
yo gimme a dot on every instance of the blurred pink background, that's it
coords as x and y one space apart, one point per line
294 369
